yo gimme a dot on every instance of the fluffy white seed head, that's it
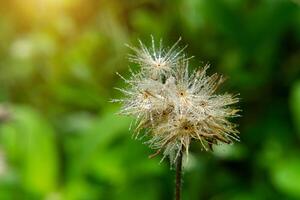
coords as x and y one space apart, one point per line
176 106
156 61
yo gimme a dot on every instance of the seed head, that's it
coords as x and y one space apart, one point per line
176 106
156 61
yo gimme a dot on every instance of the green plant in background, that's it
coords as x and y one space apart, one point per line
62 139
176 106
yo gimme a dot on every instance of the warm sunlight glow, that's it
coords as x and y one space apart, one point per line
41 9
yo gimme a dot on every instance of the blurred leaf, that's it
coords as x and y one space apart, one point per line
147 23
101 133
229 152
295 104
33 140
79 189
192 12
286 176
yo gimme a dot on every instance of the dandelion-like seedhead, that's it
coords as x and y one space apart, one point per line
174 105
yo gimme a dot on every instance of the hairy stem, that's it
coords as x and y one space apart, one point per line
178 177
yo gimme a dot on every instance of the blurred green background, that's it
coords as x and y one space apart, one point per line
61 139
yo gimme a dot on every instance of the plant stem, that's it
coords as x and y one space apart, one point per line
178 176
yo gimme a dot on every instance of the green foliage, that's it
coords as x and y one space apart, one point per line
29 142
285 176
295 104
63 139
